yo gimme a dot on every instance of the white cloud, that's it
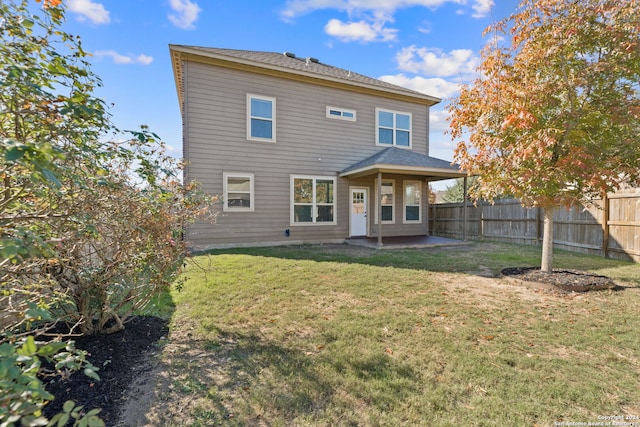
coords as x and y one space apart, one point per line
482 8
299 7
373 15
186 13
124 59
88 10
360 31
435 62
425 28
437 87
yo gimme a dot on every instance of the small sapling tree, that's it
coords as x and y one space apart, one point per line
554 118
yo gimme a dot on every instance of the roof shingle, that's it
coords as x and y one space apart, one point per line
304 66
398 157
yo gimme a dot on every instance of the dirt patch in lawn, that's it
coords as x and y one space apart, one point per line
559 279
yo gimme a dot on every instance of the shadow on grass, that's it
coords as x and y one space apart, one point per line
245 379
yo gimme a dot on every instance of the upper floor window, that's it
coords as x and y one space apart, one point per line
341 113
238 192
313 200
393 128
261 118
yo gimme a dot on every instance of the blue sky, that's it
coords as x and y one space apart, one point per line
426 45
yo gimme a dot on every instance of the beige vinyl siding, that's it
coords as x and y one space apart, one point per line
308 143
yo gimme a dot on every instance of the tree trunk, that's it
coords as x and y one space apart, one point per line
547 241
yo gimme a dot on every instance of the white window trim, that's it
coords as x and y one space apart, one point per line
292 197
394 112
225 183
249 117
393 201
404 202
341 116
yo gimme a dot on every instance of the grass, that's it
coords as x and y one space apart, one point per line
336 335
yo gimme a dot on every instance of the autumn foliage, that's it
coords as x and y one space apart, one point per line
91 218
554 117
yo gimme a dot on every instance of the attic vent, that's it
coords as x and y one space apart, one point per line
314 60
289 55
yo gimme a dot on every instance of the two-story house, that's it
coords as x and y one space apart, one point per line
300 151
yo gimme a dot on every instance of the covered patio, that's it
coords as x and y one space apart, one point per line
398 161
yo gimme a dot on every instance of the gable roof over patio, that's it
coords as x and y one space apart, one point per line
407 162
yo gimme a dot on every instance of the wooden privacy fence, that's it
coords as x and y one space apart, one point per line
609 227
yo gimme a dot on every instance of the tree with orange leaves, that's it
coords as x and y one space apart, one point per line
50 3
554 118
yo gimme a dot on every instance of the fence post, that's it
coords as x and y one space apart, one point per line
605 226
481 220
464 208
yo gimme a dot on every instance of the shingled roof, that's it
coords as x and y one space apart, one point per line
398 160
291 64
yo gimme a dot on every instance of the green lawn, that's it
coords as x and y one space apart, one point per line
337 335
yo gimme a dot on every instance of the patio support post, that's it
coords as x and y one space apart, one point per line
426 211
379 208
464 209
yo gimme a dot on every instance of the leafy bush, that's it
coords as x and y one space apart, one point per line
22 394
90 217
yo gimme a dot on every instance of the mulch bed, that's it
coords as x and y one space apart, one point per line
562 279
121 358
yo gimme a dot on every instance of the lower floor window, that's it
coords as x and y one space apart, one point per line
412 201
386 201
313 200
238 192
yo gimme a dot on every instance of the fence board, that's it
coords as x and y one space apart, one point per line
609 227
